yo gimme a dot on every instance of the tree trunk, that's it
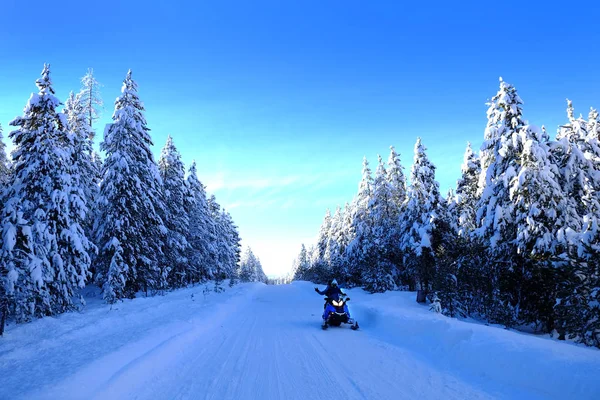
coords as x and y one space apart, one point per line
421 296
3 312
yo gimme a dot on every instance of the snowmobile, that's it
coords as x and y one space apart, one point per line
337 314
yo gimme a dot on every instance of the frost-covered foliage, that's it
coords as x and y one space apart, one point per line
377 275
175 194
4 164
250 269
202 252
359 248
45 252
83 157
56 192
516 243
227 242
465 197
91 100
334 249
301 265
129 204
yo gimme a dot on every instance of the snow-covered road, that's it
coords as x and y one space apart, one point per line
264 342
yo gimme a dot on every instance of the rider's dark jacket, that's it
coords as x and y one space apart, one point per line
333 292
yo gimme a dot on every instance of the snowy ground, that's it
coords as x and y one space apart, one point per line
264 342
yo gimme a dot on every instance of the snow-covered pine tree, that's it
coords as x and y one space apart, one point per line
396 178
91 99
250 269
4 181
577 307
419 221
334 249
578 300
397 182
302 265
568 153
234 249
44 246
495 210
449 284
324 235
541 217
247 272
466 193
227 243
377 275
202 254
129 231
359 248
174 215
319 271
592 152
4 165
81 134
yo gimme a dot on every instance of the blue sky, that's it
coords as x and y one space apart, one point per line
278 103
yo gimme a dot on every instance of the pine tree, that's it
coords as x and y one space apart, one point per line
202 254
569 155
45 249
377 275
227 243
90 98
359 248
302 265
541 217
324 236
420 220
4 164
396 179
578 300
83 157
334 248
251 268
397 182
176 218
496 212
466 193
129 230
233 241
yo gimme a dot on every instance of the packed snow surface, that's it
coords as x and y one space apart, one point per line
265 342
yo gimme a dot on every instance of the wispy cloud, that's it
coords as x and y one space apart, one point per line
284 192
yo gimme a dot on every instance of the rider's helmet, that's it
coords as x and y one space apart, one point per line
333 282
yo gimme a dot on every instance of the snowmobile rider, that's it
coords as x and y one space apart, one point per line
333 292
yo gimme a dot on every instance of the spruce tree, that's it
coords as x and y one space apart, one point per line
4 164
45 249
129 230
496 212
466 193
397 183
250 269
302 265
83 157
420 220
176 218
202 255
359 249
324 236
90 98
334 249
377 275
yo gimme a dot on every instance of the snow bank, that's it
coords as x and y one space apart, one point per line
481 353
